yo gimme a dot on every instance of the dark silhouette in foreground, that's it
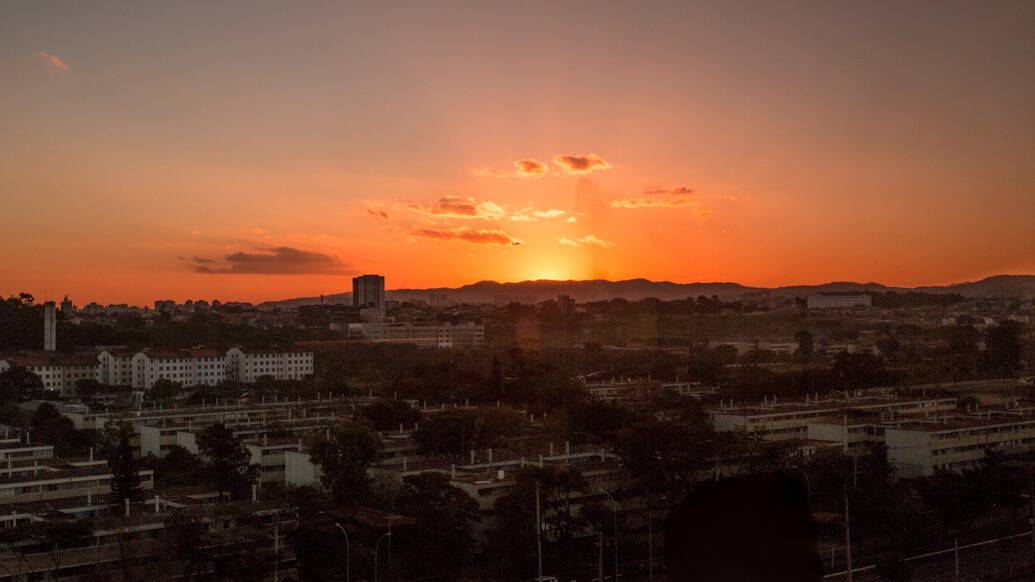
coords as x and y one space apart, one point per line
754 527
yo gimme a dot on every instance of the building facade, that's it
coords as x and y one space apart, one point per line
368 291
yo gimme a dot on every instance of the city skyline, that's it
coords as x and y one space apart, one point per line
277 154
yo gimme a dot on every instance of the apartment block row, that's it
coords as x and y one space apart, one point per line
141 369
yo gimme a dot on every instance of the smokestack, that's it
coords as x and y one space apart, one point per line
49 327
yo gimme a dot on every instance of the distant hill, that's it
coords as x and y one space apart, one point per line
636 289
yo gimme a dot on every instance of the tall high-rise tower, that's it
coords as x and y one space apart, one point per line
49 326
368 291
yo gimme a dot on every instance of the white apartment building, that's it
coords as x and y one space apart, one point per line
772 421
140 370
58 372
245 365
921 448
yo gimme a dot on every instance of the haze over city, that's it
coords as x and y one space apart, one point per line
251 151
411 291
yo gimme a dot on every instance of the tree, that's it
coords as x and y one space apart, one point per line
444 523
1002 355
387 415
344 456
125 480
49 426
227 460
513 535
184 540
178 467
455 432
18 384
664 455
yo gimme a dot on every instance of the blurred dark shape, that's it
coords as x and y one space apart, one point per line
754 527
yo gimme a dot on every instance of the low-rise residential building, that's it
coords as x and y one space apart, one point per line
920 448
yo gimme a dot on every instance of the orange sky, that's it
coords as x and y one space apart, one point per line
254 151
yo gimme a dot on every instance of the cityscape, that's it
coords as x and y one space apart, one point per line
592 292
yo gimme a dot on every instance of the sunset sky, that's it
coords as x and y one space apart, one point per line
253 151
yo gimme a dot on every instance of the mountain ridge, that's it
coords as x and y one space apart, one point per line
583 290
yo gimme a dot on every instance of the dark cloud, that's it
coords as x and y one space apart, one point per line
273 261
378 213
530 168
470 235
677 191
580 163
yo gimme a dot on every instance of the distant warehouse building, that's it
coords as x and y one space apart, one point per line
838 301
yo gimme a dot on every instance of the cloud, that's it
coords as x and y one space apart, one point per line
53 64
467 208
378 213
588 240
273 261
580 163
526 168
470 235
530 168
656 197
572 219
460 207
533 215
652 202
677 191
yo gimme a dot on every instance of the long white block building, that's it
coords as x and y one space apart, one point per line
141 369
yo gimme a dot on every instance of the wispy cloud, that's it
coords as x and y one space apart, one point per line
466 234
580 163
533 168
533 215
526 168
655 197
52 63
460 207
272 261
378 213
467 208
588 240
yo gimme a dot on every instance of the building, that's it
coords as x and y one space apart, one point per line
368 291
439 300
140 370
838 301
49 327
431 335
923 447
58 372
787 421
246 365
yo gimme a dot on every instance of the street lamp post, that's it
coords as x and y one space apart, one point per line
377 546
348 551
